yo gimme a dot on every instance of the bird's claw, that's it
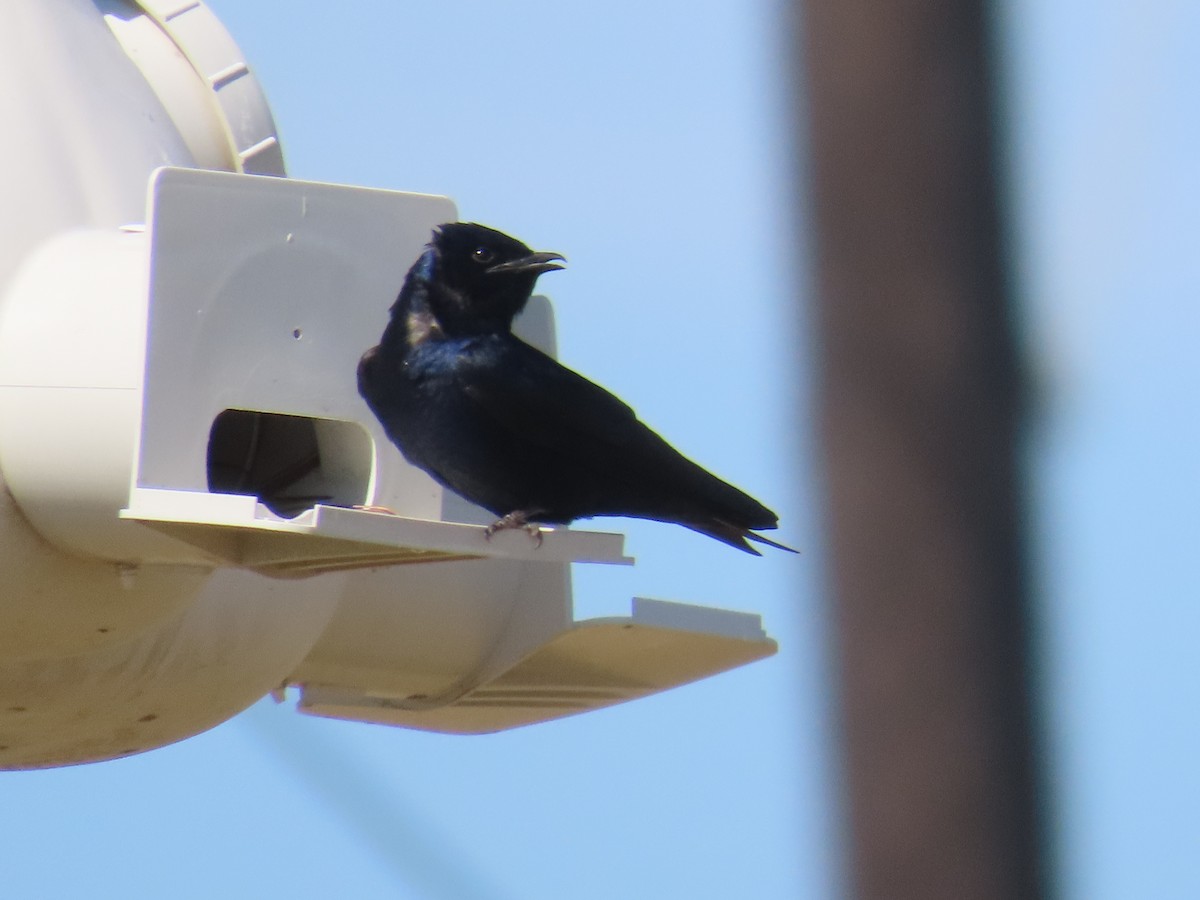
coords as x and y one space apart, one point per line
534 530
515 520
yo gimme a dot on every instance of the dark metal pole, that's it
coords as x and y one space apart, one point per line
921 413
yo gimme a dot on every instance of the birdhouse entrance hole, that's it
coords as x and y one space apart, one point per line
291 463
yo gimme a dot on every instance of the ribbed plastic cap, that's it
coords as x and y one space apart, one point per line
237 100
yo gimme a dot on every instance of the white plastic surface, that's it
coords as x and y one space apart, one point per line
586 666
204 82
264 294
100 659
91 129
236 530
72 337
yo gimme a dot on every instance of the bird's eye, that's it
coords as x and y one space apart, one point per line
482 254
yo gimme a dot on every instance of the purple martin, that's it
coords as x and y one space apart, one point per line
508 427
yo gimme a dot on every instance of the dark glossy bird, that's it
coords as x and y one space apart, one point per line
508 427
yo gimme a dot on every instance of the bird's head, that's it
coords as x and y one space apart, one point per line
479 278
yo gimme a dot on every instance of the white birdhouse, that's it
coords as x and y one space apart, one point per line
185 459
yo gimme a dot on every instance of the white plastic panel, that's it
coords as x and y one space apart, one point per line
237 530
594 664
72 338
264 293
222 98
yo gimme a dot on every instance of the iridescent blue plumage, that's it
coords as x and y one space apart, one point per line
508 427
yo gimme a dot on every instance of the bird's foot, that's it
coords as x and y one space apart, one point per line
515 519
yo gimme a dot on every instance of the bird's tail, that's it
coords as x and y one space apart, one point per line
770 543
735 536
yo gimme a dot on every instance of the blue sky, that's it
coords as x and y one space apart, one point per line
1107 188
647 142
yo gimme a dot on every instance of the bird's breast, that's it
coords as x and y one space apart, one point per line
421 326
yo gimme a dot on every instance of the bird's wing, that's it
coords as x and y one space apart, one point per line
546 403
543 404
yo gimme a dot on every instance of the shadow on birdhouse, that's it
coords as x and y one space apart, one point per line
290 463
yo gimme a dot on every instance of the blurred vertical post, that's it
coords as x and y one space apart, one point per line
921 409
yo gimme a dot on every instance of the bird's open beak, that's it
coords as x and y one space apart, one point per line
533 264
